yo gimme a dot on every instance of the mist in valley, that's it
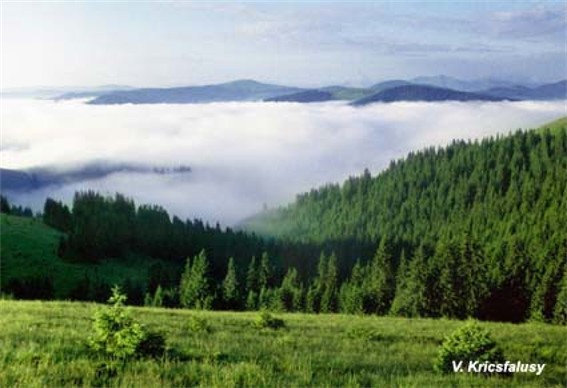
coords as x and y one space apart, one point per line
243 156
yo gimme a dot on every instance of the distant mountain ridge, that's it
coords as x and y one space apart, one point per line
423 93
553 91
251 90
241 90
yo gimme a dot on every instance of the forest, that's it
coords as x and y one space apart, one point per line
474 229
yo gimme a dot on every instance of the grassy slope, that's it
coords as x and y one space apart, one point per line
29 248
555 125
43 344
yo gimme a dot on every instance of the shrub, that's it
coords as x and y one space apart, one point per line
268 321
468 343
198 325
118 335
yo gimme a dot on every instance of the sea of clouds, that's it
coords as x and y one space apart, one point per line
242 155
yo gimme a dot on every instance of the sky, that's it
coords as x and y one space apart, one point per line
88 43
242 155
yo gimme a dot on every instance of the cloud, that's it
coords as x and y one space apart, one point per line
537 22
243 155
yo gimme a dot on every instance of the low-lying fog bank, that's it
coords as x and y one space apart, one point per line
241 155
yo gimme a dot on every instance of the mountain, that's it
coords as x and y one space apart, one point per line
328 93
423 93
242 90
347 93
306 96
551 91
36 178
444 81
64 92
435 189
388 85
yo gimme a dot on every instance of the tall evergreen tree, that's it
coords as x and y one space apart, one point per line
194 290
560 310
379 284
329 300
230 291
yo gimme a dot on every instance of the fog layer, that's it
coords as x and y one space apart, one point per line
242 155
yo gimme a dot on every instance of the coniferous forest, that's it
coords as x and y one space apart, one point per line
474 229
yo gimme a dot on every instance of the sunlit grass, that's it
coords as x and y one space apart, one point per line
44 344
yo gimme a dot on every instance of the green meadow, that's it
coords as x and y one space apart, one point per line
28 248
45 344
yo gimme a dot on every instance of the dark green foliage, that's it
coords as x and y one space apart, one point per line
470 230
268 321
152 345
4 205
14 210
351 297
413 285
378 287
147 230
489 215
57 215
560 310
291 292
36 287
468 343
252 284
329 289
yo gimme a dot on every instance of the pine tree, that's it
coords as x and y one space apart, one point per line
351 296
448 285
252 301
379 284
230 287
194 287
329 286
252 276
316 288
264 272
411 299
290 291
560 310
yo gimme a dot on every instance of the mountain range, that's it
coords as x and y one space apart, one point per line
241 90
416 89
439 88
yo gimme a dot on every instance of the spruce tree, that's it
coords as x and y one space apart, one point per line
230 292
560 310
329 286
290 291
194 289
252 276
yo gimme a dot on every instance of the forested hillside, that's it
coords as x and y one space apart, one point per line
475 228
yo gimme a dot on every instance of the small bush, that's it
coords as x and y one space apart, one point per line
468 343
118 335
198 325
268 321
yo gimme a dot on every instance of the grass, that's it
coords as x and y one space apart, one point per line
44 344
28 248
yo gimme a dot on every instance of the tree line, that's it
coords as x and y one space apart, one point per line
474 229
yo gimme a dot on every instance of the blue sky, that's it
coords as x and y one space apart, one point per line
305 44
